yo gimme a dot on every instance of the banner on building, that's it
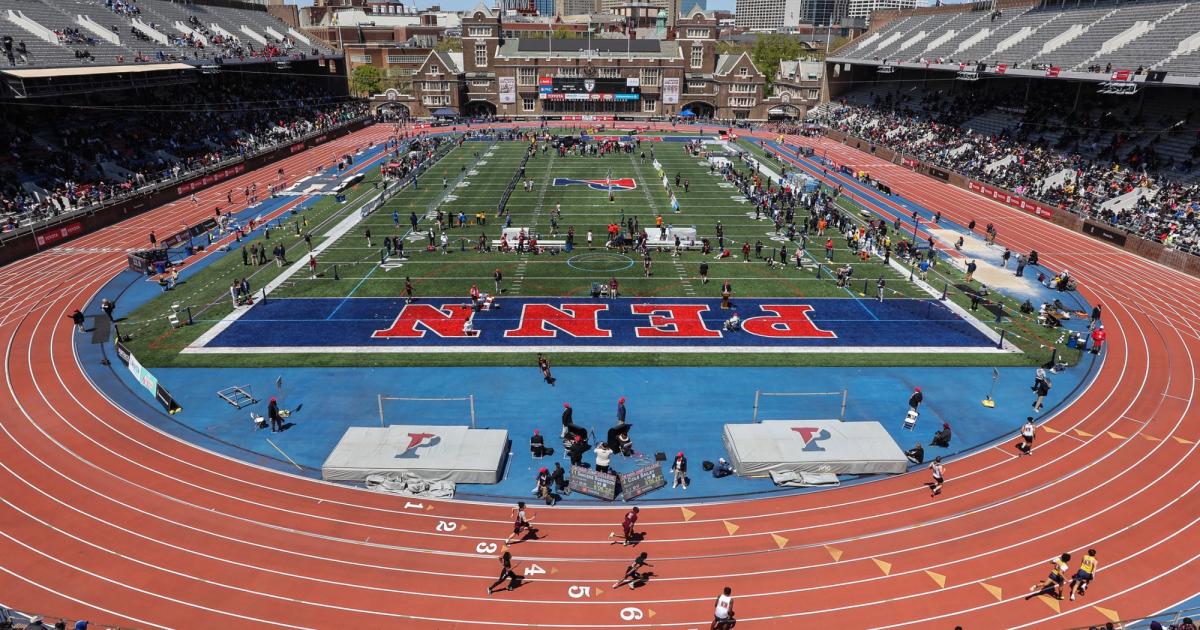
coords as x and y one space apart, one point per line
508 89
670 90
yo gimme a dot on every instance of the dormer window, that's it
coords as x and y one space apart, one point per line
744 72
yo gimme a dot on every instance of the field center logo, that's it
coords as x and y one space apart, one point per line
625 183
811 436
418 441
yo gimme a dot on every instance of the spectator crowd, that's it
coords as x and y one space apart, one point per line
59 160
1075 161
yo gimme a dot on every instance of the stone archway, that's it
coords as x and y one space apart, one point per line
701 109
480 109
784 112
393 111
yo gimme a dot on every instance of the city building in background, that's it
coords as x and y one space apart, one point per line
863 8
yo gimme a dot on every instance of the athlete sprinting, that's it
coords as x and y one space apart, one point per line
521 524
1053 582
1083 577
633 573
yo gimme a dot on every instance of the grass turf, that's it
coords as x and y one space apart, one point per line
484 169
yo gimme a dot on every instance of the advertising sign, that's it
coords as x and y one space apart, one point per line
508 89
670 90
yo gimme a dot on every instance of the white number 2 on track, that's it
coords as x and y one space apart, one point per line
447 526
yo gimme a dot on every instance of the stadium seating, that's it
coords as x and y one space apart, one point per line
207 33
1100 36
1091 164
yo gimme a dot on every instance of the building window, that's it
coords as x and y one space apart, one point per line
527 104
649 105
696 86
434 69
744 72
404 58
526 76
435 100
651 77
481 83
742 88
814 94
568 72
697 55
479 31
480 54
741 101
360 58
697 33
609 73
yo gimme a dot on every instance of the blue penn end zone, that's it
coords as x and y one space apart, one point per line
618 325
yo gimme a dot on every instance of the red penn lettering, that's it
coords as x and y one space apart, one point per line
446 321
576 320
788 322
673 320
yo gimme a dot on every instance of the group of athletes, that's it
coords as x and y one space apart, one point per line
635 574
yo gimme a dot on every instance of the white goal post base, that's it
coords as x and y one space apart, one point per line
759 395
469 399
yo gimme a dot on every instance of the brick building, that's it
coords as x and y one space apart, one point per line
598 78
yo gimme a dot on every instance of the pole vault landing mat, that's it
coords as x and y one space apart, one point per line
812 446
596 325
432 452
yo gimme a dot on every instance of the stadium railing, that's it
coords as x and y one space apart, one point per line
1166 619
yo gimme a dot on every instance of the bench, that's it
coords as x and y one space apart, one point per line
542 244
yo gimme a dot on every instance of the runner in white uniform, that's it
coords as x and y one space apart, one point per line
723 614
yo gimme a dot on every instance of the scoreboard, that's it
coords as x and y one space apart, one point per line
575 89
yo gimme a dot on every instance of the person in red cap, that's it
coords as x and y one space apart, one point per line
621 409
537 444
914 401
679 470
543 487
273 414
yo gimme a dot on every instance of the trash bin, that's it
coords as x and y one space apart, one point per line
1073 340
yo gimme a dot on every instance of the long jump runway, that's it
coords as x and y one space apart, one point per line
111 520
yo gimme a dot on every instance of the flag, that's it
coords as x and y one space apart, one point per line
674 203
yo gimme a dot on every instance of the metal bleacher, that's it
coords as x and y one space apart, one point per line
1151 34
56 15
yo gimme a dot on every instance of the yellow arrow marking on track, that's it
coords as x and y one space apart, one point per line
937 577
884 566
1151 438
651 613
1108 612
1050 430
687 514
730 527
835 552
996 591
1082 433
780 541
1051 602
1182 441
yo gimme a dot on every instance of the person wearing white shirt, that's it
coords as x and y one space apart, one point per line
723 615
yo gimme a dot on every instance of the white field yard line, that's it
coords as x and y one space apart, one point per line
606 349
924 286
344 226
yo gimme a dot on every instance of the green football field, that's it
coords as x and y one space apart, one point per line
476 175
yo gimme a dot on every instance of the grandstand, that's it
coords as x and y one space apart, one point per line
109 104
1080 107
41 33
1089 37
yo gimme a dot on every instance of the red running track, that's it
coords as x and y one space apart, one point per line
109 519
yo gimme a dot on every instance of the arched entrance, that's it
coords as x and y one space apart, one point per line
785 112
393 111
699 108
480 109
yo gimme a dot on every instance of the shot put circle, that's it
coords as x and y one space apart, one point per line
606 262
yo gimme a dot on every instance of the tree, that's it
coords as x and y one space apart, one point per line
450 44
732 48
366 80
770 49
